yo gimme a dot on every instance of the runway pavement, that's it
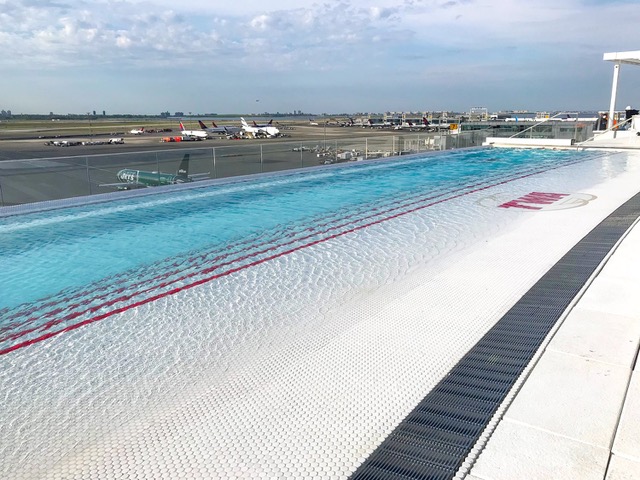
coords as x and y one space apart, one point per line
27 145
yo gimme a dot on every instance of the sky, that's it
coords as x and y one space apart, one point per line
250 56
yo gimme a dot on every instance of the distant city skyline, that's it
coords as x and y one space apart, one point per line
147 57
473 112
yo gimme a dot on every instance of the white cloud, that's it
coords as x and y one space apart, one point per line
123 41
261 22
385 42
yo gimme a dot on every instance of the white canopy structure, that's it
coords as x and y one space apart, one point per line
618 58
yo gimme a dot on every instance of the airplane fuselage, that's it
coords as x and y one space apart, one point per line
267 130
139 178
195 133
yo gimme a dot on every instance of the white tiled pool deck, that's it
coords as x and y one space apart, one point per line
321 406
577 415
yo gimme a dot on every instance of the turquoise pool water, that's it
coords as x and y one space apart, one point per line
67 266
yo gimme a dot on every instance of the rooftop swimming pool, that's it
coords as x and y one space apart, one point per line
107 256
115 311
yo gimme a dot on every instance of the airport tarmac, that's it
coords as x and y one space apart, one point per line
56 172
26 144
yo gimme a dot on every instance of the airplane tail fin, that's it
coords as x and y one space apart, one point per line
255 124
270 122
181 127
425 121
214 124
244 122
183 169
202 125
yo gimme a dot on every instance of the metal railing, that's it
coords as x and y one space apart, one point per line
575 129
544 120
37 180
613 128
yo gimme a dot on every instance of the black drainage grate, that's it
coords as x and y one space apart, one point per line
432 441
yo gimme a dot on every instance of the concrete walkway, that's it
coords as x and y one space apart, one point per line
577 415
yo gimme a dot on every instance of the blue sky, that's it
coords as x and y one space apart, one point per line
146 57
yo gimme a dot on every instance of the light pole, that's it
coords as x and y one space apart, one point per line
90 127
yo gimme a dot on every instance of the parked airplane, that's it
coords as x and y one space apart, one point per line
268 130
221 130
137 131
409 125
264 124
197 134
130 178
313 123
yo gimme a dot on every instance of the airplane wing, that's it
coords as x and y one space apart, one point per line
123 185
196 177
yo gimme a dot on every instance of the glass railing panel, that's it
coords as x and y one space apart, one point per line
279 156
200 162
346 150
413 143
312 152
240 159
27 181
379 147
109 173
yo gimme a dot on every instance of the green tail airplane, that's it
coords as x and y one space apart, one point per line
130 178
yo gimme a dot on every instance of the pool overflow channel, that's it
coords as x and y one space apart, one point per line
434 440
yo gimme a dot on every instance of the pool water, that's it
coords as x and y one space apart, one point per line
68 266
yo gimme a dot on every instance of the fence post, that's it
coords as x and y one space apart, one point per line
261 166
86 160
366 148
213 152
158 167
